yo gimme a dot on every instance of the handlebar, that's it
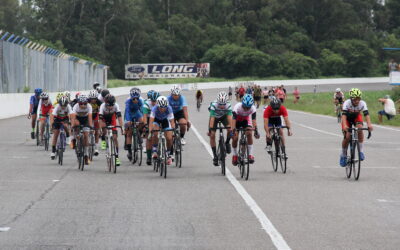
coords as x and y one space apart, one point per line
357 129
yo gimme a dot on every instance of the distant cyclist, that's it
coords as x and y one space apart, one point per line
230 93
162 117
244 116
338 99
272 117
60 115
180 108
257 95
44 110
352 109
147 107
95 103
199 96
33 106
220 111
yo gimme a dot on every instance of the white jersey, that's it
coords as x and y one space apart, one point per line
109 111
100 97
82 112
389 107
350 108
62 112
241 113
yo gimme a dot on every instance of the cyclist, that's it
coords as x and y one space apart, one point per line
60 115
68 95
272 116
280 94
82 115
162 117
241 92
351 116
199 96
103 94
244 116
338 99
44 110
179 107
33 106
108 114
230 92
95 103
220 111
133 113
96 86
147 107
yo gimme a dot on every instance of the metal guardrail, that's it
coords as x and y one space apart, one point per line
25 66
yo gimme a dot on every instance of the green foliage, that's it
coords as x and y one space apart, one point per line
298 65
27 89
332 63
395 95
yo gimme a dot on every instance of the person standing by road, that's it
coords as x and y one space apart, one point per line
280 94
296 95
389 110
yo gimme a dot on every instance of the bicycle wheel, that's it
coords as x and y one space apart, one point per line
356 161
37 134
112 156
274 154
221 155
135 147
82 154
283 158
178 152
164 159
339 116
349 165
46 137
61 147
140 151
91 147
242 159
60 156
247 163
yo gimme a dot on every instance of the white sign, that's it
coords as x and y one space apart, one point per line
394 78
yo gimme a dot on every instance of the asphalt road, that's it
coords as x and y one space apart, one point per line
312 206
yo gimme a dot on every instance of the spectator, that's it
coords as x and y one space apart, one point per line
265 94
392 66
280 94
283 88
388 108
296 94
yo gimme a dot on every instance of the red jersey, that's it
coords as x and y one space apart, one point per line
241 91
269 113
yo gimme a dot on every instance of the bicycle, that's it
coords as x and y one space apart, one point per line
243 155
137 144
221 150
37 132
160 163
111 149
61 145
80 148
46 136
198 104
339 112
353 161
278 155
92 144
177 145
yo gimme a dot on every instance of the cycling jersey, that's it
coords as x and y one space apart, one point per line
275 118
133 111
82 112
199 93
44 109
147 106
352 111
339 97
35 102
240 114
158 115
257 92
95 108
61 112
177 105
218 111
108 111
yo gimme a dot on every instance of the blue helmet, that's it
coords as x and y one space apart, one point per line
247 101
149 94
154 96
38 91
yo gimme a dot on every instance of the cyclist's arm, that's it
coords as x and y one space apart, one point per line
90 119
266 128
254 120
185 113
151 124
172 121
211 123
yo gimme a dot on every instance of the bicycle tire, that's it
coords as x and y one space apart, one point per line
283 158
60 156
348 164
113 157
221 154
247 163
177 152
160 158
357 162
91 147
46 137
179 148
165 158
242 159
37 133
61 147
140 151
275 154
82 153
135 147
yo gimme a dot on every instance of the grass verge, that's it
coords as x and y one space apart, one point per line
322 103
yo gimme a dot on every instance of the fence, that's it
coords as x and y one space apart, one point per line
29 66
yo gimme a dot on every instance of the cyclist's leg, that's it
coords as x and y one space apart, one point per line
42 120
128 136
359 124
156 126
113 122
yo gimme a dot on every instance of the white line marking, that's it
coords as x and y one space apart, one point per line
318 130
387 201
4 229
56 180
334 118
319 167
266 224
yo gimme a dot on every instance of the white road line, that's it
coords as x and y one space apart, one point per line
266 224
318 130
4 229
331 117
319 167
387 201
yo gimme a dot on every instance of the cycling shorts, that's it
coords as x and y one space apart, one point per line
179 115
244 123
163 124
223 120
356 120
110 120
277 122
83 121
58 121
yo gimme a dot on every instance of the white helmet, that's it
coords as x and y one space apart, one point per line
176 90
93 94
44 95
222 98
162 101
338 90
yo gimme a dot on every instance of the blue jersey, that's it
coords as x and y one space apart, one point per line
178 104
158 115
34 101
133 110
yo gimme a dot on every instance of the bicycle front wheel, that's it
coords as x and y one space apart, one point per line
46 137
113 157
283 158
37 134
82 153
356 161
135 148
178 152
349 166
221 156
60 156
140 150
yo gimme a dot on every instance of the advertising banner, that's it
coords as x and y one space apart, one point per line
395 78
167 70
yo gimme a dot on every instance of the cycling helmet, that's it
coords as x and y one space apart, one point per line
44 95
275 103
105 92
59 95
162 102
247 101
110 100
82 99
149 93
176 90
38 91
67 94
135 92
338 90
222 98
93 94
64 101
154 96
99 89
77 95
354 93
96 85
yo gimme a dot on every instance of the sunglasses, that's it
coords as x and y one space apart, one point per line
135 99
83 103
45 99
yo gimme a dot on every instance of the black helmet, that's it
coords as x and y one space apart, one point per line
105 92
275 103
110 100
